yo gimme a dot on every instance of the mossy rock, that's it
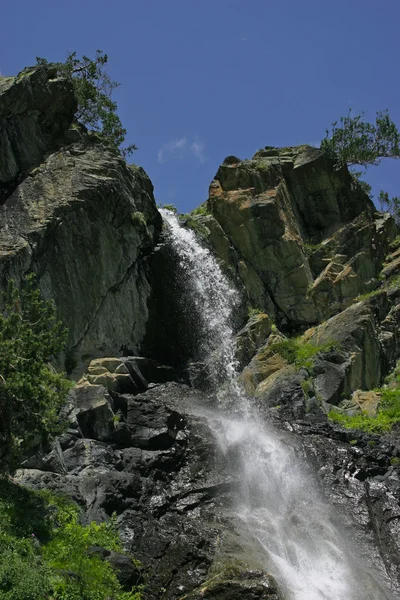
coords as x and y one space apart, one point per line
237 581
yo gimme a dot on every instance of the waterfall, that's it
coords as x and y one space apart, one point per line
292 528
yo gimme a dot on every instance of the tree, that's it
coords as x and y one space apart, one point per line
31 390
93 90
391 205
357 142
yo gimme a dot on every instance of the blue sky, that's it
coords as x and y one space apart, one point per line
201 80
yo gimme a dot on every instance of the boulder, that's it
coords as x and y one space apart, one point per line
94 411
116 375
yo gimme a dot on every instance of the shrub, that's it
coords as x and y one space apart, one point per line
170 207
299 353
139 219
93 90
31 390
388 414
357 142
48 554
200 210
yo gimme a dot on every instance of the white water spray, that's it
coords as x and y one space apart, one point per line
292 528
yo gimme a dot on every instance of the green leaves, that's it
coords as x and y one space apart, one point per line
46 553
93 90
391 205
31 390
357 142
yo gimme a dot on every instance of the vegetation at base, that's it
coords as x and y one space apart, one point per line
31 390
388 412
355 141
46 554
300 353
93 89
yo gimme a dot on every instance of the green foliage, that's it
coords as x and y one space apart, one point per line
31 391
395 461
357 142
200 210
299 353
253 312
357 181
395 243
309 249
388 414
368 295
138 218
307 386
170 207
391 205
46 553
193 223
93 90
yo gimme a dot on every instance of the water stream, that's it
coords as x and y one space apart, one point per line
294 530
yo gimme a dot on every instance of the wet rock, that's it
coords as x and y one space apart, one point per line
167 483
252 337
94 411
237 581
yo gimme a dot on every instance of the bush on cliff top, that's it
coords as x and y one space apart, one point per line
357 142
31 390
93 90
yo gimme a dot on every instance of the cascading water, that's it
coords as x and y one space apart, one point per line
292 528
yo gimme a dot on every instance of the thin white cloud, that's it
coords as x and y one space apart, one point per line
244 37
181 148
198 149
171 148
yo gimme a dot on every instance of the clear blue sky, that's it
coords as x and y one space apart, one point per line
203 79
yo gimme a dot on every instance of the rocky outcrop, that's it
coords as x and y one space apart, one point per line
158 468
82 220
36 109
301 236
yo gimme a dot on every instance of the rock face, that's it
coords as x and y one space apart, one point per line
302 237
159 469
82 220
36 108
